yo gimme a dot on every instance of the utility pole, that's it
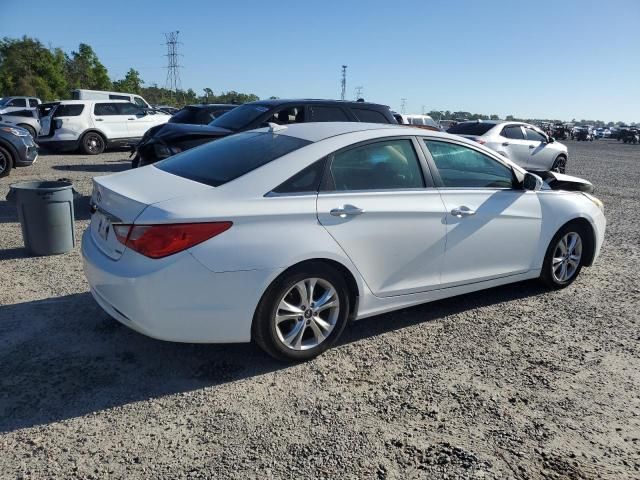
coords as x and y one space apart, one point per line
423 109
403 105
173 68
358 94
344 81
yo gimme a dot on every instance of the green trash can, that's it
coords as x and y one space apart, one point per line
45 210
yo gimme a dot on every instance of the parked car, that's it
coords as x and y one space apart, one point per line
447 124
522 143
92 126
281 235
584 133
27 119
420 121
166 109
631 135
84 94
17 148
162 142
11 104
200 114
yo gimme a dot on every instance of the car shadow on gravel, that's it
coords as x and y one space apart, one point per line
64 357
109 167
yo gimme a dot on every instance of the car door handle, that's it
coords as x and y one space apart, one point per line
462 212
99 119
130 118
532 146
346 210
506 144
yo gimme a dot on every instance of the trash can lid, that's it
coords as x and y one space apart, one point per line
44 185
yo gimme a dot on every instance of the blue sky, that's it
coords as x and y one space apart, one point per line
559 59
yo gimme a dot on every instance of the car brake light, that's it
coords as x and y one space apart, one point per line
158 241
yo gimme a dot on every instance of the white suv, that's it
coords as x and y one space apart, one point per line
93 125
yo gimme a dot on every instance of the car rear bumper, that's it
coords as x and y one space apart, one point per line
176 298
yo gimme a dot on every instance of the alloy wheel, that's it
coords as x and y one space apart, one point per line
307 314
566 257
560 165
94 144
4 161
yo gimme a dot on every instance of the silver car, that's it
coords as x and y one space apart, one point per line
522 143
27 119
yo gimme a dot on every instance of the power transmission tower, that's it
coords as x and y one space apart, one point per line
344 81
358 91
173 83
403 105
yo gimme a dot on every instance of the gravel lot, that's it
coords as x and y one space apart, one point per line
514 382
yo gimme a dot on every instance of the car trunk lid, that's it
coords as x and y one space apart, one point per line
120 198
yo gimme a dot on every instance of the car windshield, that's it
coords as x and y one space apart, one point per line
186 115
219 162
472 128
239 117
4 100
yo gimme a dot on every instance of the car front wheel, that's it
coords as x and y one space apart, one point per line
302 313
6 162
565 256
560 164
93 143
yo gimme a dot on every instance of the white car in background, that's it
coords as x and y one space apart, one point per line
92 125
282 234
522 143
27 119
11 104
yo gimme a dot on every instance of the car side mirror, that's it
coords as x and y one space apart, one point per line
551 140
532 182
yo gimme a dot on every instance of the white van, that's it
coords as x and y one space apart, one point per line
93 125
81 94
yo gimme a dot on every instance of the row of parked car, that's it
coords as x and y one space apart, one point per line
95 121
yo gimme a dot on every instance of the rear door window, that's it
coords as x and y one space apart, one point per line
321 113
68 110
513 131
18 102
370 116
103 109
471 128
219 162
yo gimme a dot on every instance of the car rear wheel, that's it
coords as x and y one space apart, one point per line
302 313
93 143
30 129
560 165
6 162
564 258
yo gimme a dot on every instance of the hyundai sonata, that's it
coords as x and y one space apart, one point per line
283 234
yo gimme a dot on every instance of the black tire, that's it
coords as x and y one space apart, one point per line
560 164
30 129
264 326
6 162
135 163
547 275
92 143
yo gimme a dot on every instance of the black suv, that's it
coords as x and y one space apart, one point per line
200 114
162 141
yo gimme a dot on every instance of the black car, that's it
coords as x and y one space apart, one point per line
162 141
201 114
17 148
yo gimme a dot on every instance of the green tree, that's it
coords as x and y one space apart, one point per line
84 70
494 117
28 68
131 83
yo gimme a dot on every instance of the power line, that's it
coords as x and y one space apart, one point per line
173 83
403 105
344 81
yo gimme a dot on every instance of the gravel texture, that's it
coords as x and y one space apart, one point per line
515 382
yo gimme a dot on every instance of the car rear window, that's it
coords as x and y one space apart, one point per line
370 116
186 115
240 117
471 128
68 110
223 160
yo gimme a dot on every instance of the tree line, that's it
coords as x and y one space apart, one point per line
29 68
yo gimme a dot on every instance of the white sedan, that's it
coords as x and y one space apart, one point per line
283 234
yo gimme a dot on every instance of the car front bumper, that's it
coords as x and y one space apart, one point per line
176 298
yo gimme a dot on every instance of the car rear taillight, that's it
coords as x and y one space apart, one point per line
158 241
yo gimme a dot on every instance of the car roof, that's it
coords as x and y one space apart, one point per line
317 131
285 101
76 102
210 105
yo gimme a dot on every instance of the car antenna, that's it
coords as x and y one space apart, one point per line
274 127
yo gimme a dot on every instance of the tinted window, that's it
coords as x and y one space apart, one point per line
328 114
68 110
463 167
17 102
128 109
33 102
106 109
186 115
240 117
390 164
287 115
23 113
226 159
534 136
471 128
138 101
305 181
514 131
370 116
119 97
